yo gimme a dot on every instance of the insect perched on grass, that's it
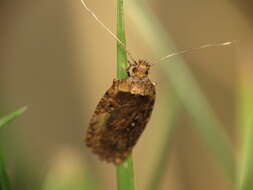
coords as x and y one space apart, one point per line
125 109
122 115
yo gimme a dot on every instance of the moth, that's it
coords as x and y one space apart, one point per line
125 109
122 115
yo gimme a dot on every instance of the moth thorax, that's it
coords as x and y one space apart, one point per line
140 69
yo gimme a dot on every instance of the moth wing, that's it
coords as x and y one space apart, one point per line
117 124
100 116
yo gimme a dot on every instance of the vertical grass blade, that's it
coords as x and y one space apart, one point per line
182 81
246 124
247 169
125 175
4 179
121 34
125 171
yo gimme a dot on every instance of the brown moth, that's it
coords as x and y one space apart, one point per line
121 115
124 111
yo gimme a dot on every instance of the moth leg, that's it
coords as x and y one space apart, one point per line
128 67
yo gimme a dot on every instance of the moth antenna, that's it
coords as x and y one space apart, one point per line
190 50
107 29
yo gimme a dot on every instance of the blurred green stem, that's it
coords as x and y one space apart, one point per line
163 156
125 171
8 118
4 179
246 124
184 86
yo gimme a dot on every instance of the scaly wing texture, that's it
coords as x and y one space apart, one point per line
118 122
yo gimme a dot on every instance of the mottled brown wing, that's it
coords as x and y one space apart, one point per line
117 123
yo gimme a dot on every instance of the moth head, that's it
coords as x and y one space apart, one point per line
140 69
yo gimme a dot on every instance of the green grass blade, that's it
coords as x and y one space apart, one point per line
6 119
121 34
184 86
4 179
125 171
246 124
125 175
247 169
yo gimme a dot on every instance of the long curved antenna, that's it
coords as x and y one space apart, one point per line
107 29
190 50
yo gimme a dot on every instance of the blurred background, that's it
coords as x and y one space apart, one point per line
57 60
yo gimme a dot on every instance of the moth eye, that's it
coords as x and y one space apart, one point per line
146 72
134 69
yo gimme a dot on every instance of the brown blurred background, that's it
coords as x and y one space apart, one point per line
57 60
